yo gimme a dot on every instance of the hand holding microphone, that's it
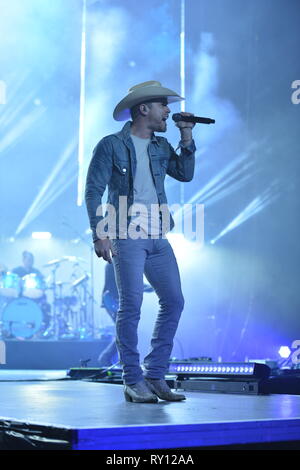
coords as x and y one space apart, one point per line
186 121
183 120
184 126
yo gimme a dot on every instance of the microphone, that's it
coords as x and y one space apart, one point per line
202 120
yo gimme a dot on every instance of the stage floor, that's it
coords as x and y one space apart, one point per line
99 418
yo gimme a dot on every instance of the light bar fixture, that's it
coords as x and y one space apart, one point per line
218 369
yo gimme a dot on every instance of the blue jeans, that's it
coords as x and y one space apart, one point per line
155 258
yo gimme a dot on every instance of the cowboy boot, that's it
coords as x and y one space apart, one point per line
160 388
139 393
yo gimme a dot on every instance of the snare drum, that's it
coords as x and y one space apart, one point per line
21 318
33 286
10 285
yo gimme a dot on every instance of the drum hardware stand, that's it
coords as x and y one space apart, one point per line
67 327
53 330
55 299
91 248
70 332
61 323
86 329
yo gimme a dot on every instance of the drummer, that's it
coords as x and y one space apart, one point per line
27 268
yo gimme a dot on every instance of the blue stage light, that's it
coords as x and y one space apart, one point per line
252 370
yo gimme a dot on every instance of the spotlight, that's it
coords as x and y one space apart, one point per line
284 352
41 235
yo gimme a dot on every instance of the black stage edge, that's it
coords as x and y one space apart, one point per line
27 436
51 355
16 435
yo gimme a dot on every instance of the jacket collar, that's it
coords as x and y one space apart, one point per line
124 134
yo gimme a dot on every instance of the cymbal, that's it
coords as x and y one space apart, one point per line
74 259
62 283
82 279
71 259
53 262
51 286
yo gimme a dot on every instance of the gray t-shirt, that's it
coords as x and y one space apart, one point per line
144 189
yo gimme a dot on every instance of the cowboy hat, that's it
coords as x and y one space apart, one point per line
141 93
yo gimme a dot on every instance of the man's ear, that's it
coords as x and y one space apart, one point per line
144 109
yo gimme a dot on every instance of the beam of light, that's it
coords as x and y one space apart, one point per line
182 74
80 183
227 191
61 184
182 54
221 184
41 235
12 96
16 101
205 94
256 205
216 181
55 184
228 182
20 128
17 109
212 200
106 33
2 92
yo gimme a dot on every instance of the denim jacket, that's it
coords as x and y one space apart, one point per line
114 164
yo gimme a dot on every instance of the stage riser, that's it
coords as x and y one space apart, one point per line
218 386
50 355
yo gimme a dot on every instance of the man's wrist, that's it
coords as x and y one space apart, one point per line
186 143
101 239
186 135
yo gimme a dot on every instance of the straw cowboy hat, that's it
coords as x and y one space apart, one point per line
141 93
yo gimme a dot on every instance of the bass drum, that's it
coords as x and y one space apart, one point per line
21 318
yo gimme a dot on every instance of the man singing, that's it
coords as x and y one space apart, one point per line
133 163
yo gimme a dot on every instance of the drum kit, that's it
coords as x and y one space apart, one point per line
34 307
